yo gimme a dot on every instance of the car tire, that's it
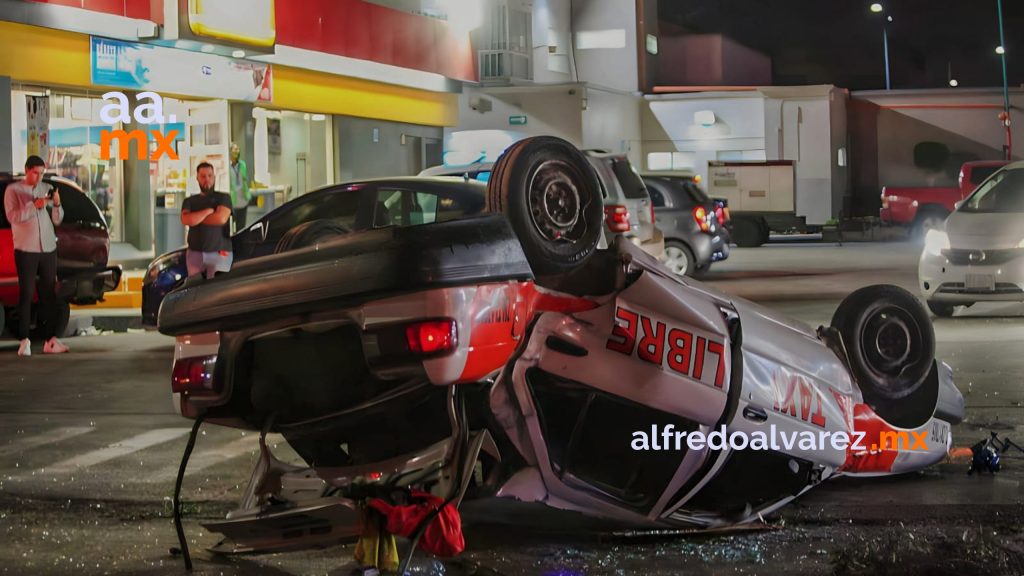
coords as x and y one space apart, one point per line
309 234
929 219
551 196
941 309
889 341
679 258
747 233
62 317
766 231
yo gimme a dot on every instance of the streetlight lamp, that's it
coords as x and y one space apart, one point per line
1005 116
879 9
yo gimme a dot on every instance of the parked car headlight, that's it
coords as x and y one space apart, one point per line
935 242
161 264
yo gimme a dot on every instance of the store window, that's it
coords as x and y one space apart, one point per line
73 129
293 154
200 138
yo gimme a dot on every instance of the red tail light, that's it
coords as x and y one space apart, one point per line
652 213
701 216
720 215
194 376
617 218
431 338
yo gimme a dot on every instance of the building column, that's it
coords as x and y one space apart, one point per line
6 149
139 200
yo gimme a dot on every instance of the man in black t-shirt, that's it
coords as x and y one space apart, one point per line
208 217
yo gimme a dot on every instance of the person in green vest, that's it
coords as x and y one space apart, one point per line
240 194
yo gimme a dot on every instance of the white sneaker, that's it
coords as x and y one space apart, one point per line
25 348
54 346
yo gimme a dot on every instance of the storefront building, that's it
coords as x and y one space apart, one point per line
305 108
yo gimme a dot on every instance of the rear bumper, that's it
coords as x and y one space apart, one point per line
898 213
87 286
720 245
346 272
655 246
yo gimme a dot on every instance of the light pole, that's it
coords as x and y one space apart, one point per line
1005 116
879 9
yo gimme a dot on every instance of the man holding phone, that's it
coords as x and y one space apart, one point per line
33 209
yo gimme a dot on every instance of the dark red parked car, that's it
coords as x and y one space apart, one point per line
83 246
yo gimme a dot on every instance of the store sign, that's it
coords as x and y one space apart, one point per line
220 19
155 68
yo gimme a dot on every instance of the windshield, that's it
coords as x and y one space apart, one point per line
1003 192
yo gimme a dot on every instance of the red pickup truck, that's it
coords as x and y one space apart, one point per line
925 208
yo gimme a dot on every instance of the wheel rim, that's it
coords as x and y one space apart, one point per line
555 201
890 340
676 260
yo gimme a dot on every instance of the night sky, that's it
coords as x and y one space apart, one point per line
840 41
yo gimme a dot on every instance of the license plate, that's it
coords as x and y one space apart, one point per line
981 282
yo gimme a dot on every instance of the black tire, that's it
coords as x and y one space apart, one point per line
679 258
928 219
62 317
551 195
747 232
941 309
889 340
766 231
309 234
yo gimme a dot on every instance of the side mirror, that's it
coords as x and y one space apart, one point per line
958 204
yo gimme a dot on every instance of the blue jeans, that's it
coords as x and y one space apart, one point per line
207 263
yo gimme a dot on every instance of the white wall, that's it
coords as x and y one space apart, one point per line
841 175
610 67
551 28
806 139
668 125
949 116
549 111
753 126
612 122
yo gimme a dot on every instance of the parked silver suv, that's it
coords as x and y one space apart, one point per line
627 205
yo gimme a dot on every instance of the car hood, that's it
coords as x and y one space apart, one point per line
985 230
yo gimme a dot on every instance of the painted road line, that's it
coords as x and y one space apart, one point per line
115 450
49 437
205 457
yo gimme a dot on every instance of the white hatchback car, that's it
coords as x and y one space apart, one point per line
980 255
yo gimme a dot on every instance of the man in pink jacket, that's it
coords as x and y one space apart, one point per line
33 209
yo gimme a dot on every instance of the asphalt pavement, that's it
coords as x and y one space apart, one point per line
90 443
